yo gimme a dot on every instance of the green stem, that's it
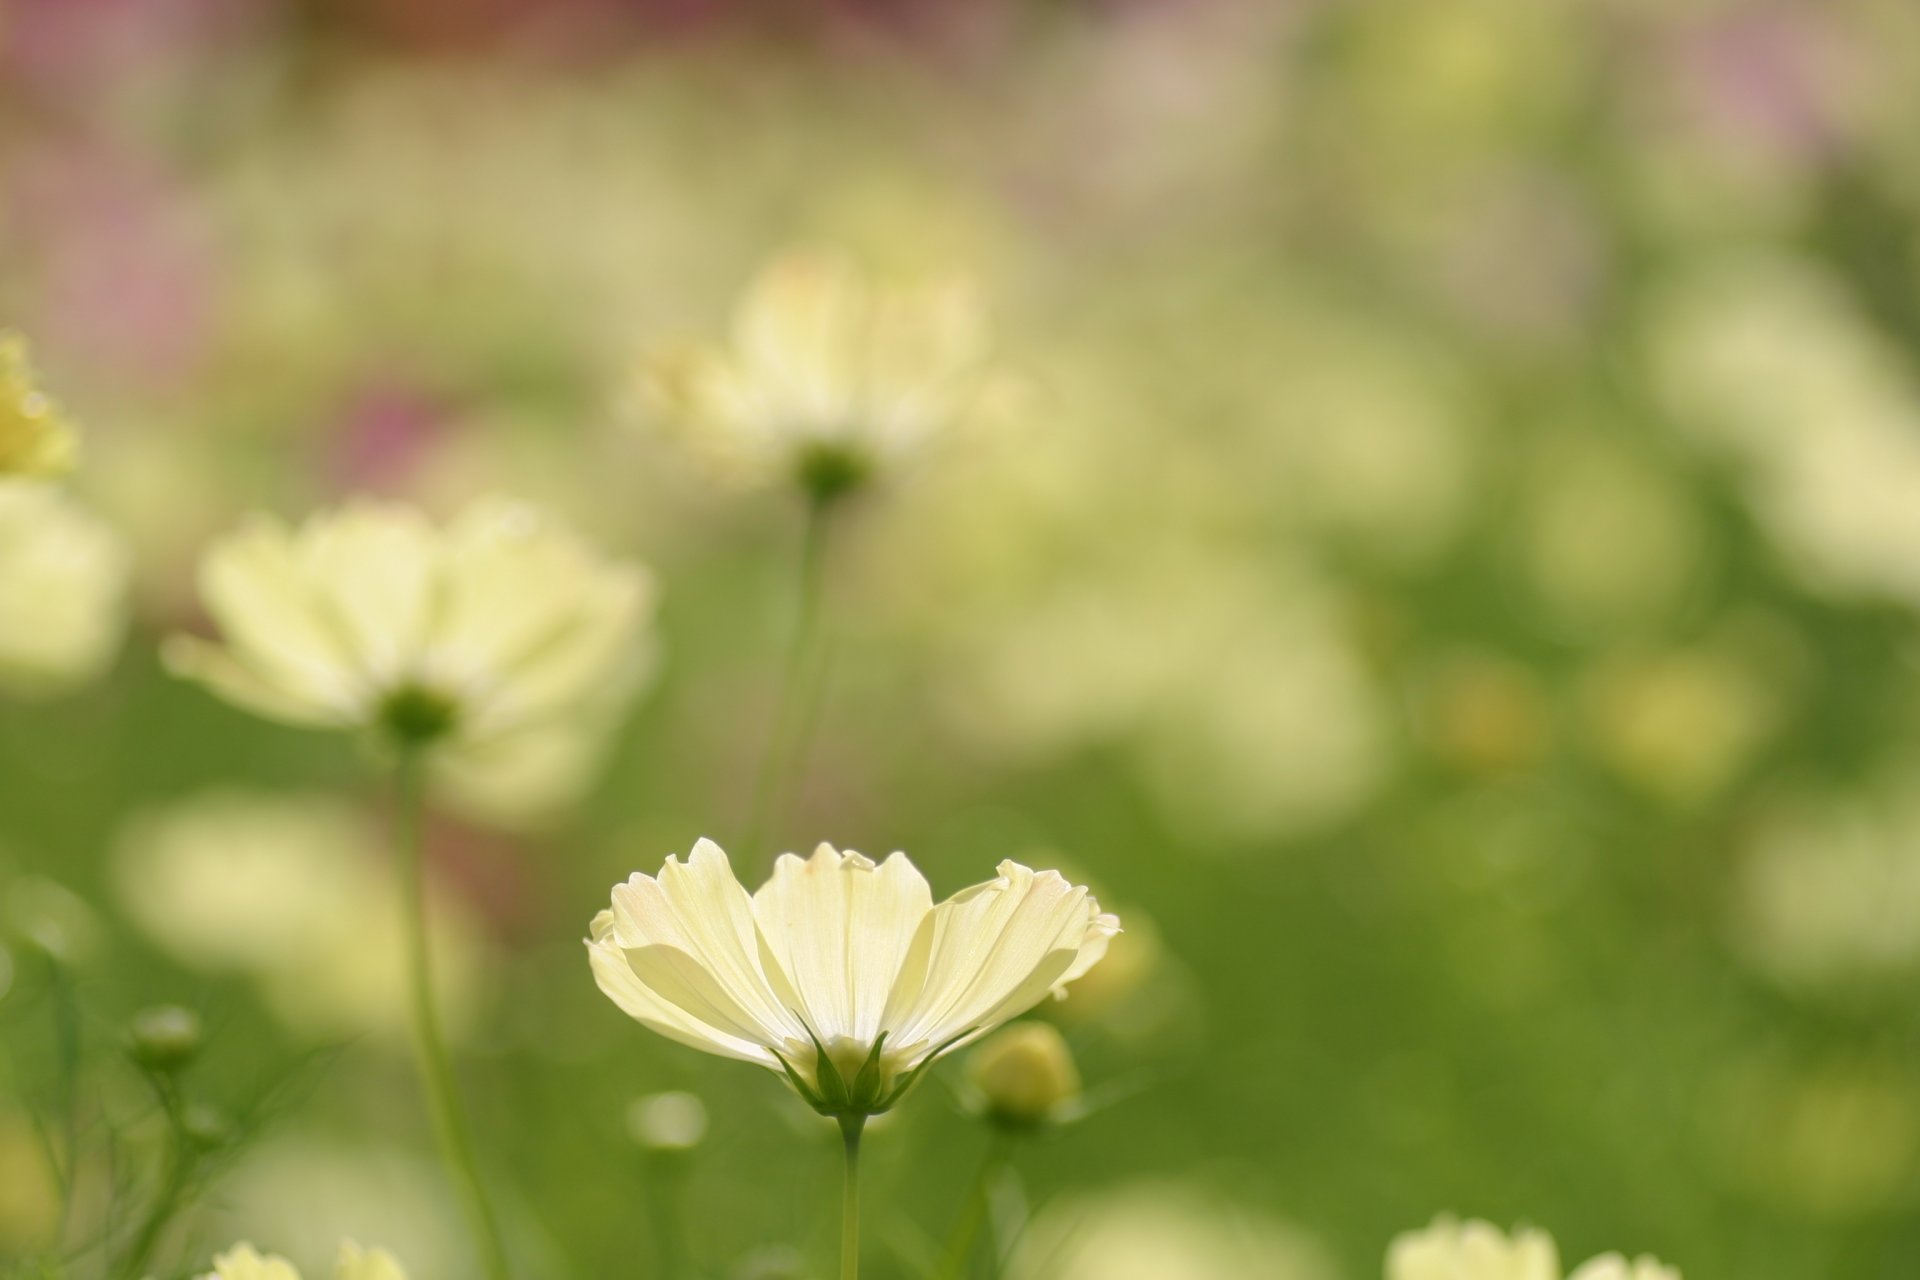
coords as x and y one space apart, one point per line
172 1186
850 1128
960 1244
66 1031
436 1070
799 689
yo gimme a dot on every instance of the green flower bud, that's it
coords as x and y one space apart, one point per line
207 1127
1025 1076
164 1038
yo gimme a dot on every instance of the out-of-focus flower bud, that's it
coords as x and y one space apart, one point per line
164 1038
1025 1076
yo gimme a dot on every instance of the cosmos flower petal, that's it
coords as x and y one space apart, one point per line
373 566
226 674
258 591
1451 1250
617 979
1614 1266
841 927
700 910
356 1263
988 943
244 1262
798 333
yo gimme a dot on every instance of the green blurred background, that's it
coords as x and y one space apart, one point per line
1448 582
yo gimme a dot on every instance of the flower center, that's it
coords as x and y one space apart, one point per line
414 715
829 469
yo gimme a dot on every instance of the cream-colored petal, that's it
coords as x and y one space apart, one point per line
616 978
841 928
1473 1250
531 621
356 1263
372 569
244 1262
1093 949
233 680
991 947
697 908
798 333
1614 1266
255 585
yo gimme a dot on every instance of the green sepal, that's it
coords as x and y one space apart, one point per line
811 1098
866 1085
833 1086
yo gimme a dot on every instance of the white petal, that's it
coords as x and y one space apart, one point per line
644 1005
841 928
356 1263
699 910
372 567
992 952
256 588
228 675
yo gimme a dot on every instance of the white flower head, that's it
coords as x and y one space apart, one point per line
63 586
831 376
1614 1266
840 972
244 1262
1473 1250
35 438
497 624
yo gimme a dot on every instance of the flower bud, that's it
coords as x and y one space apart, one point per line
164 1038
667 1121
1025 1075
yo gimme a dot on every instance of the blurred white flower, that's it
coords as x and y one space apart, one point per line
1164 1231
294 892
840 972
500 623
63 581
1453 1250
244 1262
1826 892
35 438
830 376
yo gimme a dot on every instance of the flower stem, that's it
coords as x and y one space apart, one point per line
173 1183
799 686
850 1128
436 1071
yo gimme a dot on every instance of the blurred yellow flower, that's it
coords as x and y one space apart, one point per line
1454 1250
63 579
35 438
500 623
244 1262
830 377
840 972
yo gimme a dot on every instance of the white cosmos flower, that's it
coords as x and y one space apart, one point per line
499 623
1454 1250
244 1262
830 374
840 972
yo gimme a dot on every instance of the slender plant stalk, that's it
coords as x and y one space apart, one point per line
436 1070
173 1184
66 1033
960 1244
799 683
850 1129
